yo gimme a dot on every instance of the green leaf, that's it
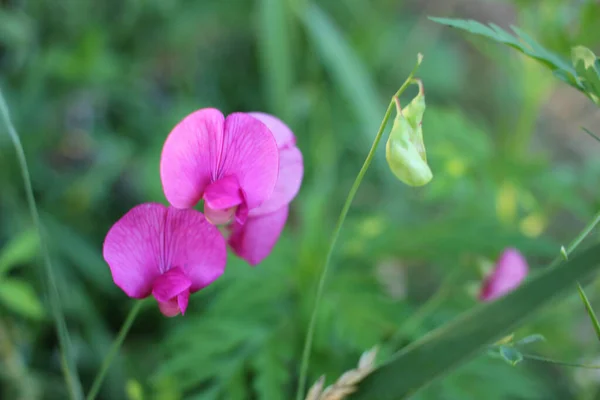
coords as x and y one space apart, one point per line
21 249
235 387
588 67
511 355
530 339
485 378
522 42
449 346
589 310
271 369
19 297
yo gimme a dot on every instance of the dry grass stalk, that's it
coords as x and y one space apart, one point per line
347 383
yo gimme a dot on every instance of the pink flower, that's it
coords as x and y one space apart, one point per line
254 239
230 163
510 270
166 252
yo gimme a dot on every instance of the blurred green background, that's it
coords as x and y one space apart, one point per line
94 88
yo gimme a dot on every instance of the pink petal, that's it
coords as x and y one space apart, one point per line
196 246
250 154
221 199
170 284
281 132
170 308
190 157
131 249
152 239
175 306
254 240
288 183
224 193
510 270
182 301
291 167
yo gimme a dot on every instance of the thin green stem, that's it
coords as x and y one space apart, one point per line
578 239
336 233
564 254
114 350
68 365
590 310
555 362
593 135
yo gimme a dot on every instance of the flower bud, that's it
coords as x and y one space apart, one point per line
405 150
510 271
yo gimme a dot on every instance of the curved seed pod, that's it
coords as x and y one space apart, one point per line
405 150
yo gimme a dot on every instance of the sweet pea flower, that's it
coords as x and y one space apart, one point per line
230 163
510 270
254 239
164 252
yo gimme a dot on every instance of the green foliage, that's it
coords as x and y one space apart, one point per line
21 249
588 67
452 344
94 88
346 68
276 52
19 297
536 337
272 370
511 355
487 378
579 78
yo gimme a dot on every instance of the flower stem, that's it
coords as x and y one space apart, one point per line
336 233
113 350
578 239
555 362
67 363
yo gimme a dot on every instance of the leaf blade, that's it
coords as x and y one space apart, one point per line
458 341
589 310
347 70
275 51
23 248
19 297
523 43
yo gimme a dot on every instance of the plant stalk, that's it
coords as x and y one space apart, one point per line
113 350
67 362
336 233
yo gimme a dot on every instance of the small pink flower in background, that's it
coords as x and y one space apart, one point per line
230 163
164 252
510 270
254 239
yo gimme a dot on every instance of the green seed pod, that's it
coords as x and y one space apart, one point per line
405 150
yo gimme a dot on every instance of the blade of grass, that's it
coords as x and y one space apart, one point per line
534 357
591 133
275 51
67 361
347 70
590 310
565 253
449 346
